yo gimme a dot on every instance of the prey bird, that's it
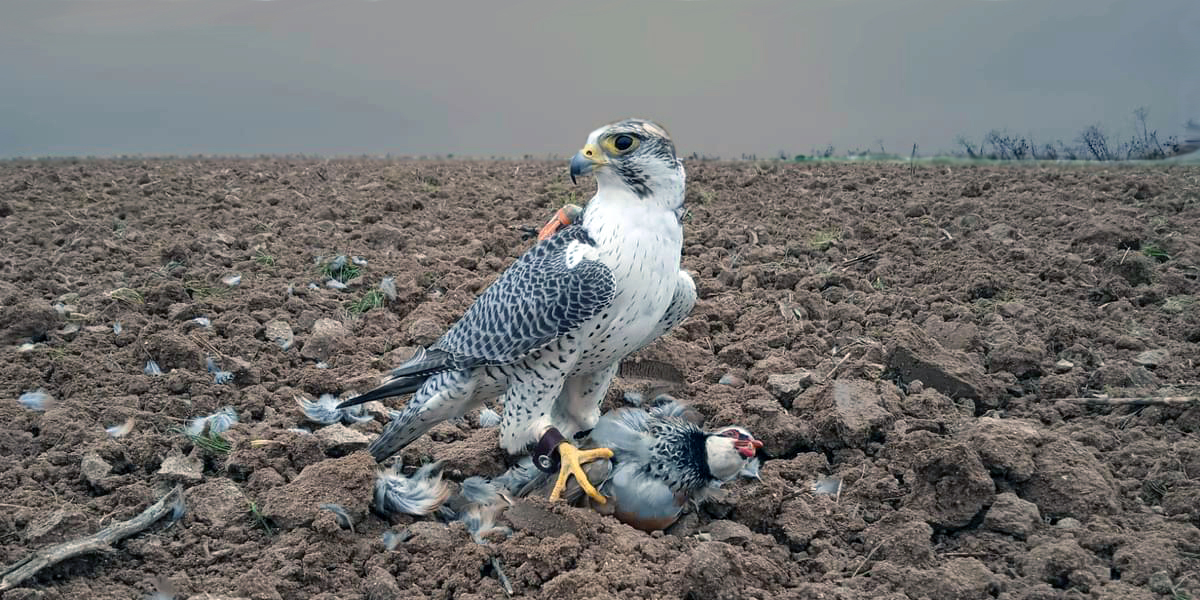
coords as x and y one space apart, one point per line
662 460
549 334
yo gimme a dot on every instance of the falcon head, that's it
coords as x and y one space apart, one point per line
635 154
728 450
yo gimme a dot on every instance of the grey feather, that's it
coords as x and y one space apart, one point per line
489 418
418 495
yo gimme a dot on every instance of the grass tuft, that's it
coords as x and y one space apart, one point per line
825 239
369 300
129 296
263 259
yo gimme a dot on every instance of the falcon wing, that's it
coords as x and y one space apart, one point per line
539 298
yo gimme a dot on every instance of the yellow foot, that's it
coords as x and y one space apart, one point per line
572 459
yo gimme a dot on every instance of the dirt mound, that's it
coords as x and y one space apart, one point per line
913 346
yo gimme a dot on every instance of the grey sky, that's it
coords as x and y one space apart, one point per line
103 77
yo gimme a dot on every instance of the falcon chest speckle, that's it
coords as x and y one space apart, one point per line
640 242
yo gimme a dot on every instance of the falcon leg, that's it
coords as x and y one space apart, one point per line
565 216
570 462
579 402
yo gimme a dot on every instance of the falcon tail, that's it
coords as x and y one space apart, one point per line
394 387
408 377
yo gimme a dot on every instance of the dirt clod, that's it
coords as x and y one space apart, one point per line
926 366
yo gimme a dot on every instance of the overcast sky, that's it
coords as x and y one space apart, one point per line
726 77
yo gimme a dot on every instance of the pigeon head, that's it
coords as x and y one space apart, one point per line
728 450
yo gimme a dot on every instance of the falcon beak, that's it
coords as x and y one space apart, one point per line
586 160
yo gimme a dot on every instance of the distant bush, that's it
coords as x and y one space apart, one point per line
1093 143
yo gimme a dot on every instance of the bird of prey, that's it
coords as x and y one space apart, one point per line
549 334
662 460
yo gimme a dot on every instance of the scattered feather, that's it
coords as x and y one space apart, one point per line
827 486
338 263
481 522
196 426
117 328
178 508
123 429
387 285
217 422
728 379
335 284
151 368
37 400
477 490
299 430
163 590
232 280
322 365
26 347
358 260
219 377
222 420
393 539
343 518
418 495
634 399
489 418
313 286
326 412
202 321
291 290
750 470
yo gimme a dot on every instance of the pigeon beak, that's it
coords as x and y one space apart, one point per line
748 448
586 160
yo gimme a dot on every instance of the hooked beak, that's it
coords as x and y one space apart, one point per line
747 448
586 160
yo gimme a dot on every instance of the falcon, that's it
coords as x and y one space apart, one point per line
549 334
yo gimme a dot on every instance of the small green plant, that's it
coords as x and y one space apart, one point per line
259 519
165 270
340 268
263 259
129 296
825 239
572 197
1156 252
200 290
369 300
212 443
1179 304
706 195
879 284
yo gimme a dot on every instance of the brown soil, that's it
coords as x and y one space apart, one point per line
934 377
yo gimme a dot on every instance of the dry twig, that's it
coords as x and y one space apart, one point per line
101 541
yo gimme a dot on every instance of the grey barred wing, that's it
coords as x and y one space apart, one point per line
538 299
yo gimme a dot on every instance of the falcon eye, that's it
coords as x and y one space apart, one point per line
621 144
